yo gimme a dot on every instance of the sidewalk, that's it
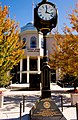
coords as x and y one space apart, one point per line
12 99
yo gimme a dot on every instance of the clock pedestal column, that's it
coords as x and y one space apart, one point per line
45 75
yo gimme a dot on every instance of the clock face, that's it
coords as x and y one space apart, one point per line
46 12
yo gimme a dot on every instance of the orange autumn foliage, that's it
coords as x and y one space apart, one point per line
65 48
10 47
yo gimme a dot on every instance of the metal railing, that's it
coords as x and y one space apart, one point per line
61 101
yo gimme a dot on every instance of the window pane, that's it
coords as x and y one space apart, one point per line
18 78
24 64
24 41
24 78
42 43
33 64
18 69
33 42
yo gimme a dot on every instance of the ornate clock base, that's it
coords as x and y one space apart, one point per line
46 109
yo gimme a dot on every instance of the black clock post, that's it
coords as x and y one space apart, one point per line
45 18
45 73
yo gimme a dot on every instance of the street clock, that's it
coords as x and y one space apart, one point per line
45 16
46 11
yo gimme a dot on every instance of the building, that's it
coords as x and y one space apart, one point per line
28 70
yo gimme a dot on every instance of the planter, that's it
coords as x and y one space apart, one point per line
74 98
1 99
2 96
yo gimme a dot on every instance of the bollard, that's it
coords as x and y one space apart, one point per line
61 103
30 114
23 103
1 99
77 110
20 111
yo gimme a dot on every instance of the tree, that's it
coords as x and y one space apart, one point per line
65 48
10 46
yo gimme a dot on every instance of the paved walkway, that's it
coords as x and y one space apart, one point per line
12 99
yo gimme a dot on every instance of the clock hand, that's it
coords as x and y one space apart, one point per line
49 13
46 9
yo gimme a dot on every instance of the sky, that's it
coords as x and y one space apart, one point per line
23 10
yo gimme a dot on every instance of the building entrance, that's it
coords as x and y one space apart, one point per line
35 81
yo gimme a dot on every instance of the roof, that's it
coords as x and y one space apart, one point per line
28 26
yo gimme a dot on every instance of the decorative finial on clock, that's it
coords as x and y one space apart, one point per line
44 0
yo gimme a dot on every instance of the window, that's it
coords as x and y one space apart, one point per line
24 41
24 78
33 42
33 64
42 43
18 78
24 64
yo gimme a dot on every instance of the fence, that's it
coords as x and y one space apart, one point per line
61 101
22 106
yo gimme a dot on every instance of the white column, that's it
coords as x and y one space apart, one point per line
27 77
38 63
21 70
28 69
27 63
